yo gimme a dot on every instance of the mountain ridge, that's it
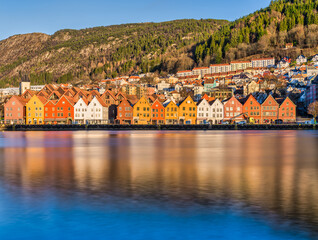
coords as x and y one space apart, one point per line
103 52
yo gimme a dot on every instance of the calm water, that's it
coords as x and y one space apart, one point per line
159 185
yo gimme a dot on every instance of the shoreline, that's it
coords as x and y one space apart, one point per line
157 127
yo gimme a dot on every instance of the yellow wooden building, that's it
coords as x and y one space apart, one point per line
35 110
187 111
172 113
142 112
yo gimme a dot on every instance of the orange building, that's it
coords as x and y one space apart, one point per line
59 111
157 113
269 110
287 111
252 109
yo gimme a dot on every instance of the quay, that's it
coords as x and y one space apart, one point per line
110 127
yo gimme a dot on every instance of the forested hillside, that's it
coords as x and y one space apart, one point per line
103 51
264 32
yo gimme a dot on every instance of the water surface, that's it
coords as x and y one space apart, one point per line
159 185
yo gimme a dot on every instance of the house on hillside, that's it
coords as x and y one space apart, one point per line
283 64
301 59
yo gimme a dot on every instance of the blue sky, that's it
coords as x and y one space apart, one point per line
48 16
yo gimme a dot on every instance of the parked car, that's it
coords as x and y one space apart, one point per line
241 123
312 121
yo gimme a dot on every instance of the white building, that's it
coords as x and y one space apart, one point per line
315 58
301 59
9 91
184 73
263 62
283 64
312 71
217 111
220 68
80 111
201 71
198 89
240 65
162 85
37 87
97 111
203 111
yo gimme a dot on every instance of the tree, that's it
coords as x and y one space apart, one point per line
313 109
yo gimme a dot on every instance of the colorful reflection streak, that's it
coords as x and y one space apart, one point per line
272 176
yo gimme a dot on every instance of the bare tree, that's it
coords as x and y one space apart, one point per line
313 109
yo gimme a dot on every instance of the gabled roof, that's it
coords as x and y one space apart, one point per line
23 101
42 99
157 101
109 93
100 101
28 92
269 96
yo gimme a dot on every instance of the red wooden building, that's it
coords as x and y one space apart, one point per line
157 113
233 110
269 110
287 110
124 112
14 110
59 111
252 109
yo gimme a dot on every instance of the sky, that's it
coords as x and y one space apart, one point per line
49 16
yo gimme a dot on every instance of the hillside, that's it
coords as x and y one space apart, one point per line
101 52
265 32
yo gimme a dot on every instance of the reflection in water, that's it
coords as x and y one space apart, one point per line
273 174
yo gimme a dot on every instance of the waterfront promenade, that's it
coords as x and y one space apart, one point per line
159 127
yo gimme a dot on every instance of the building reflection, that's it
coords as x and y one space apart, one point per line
274 171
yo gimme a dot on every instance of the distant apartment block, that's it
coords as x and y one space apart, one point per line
263 62
240 65
220 68
201 71
184 73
